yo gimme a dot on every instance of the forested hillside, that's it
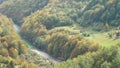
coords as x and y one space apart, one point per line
52 29
101 12
76 11
98 13
14 51
18 9
81 33
11 47
58 13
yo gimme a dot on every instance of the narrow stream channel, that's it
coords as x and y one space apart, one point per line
39 52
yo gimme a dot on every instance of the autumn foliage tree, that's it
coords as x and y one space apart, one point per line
11 46
63 45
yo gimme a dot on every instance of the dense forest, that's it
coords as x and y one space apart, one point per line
11 46
79 33
104 58
18 9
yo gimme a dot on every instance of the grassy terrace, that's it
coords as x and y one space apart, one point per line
101 38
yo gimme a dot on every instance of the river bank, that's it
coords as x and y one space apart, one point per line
37 51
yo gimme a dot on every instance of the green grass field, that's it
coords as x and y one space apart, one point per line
103 39
99 37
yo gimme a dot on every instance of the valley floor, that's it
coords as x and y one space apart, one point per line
101 38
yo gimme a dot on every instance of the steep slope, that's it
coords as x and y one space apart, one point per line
84 12
101 12
47 30
18 9
14 52
11 47
56 13
9 37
